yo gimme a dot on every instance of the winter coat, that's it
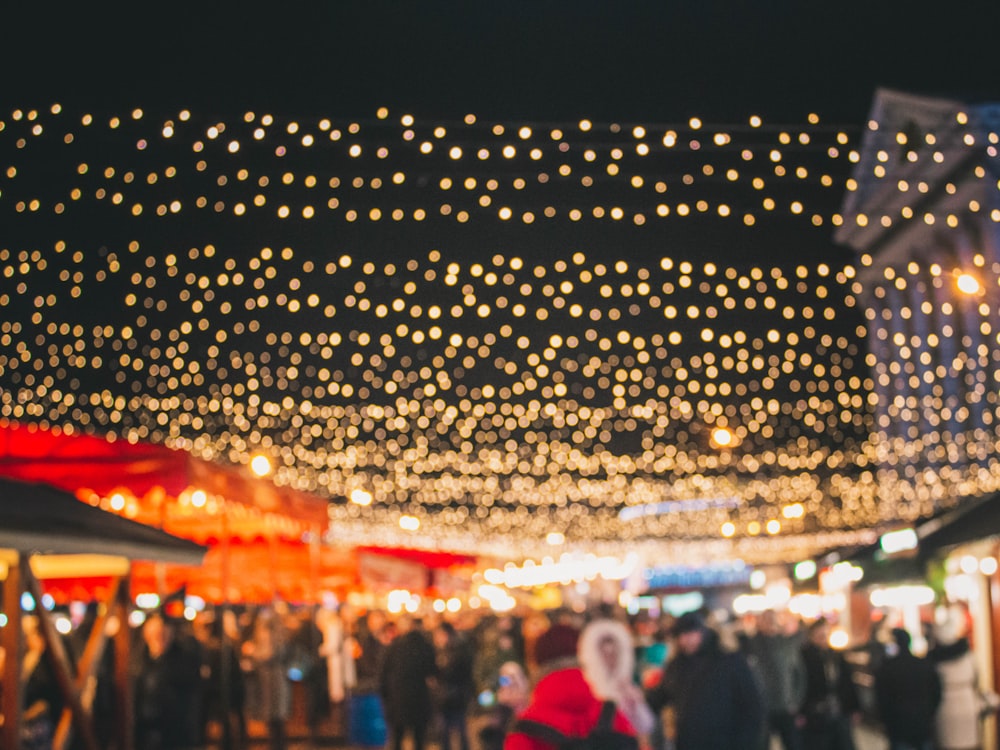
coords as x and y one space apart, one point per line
564 701
717 701
341 673
958 714
830 689
40 686
166 691
368 666
455 686
271 651
908 692
777 662
408 665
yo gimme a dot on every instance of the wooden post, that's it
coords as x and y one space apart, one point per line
227 663
315 562
993 607
55 652
13 644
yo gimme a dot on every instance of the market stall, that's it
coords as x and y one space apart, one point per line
43 529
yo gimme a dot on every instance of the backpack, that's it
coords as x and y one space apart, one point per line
601 737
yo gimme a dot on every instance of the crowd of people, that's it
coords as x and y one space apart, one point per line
533 683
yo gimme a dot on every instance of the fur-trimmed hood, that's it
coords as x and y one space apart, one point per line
611 679
595 667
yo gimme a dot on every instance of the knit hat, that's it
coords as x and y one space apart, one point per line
558 642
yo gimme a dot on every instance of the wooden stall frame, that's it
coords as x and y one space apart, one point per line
13 644
77 685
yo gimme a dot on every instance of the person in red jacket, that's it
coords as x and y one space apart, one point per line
562 699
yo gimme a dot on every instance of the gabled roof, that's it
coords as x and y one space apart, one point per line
39 519
934 143
976 519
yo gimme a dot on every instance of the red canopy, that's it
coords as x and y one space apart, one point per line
108 465
72 461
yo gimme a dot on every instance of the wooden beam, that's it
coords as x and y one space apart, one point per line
994 610
55 651
86 672
12 640
315 560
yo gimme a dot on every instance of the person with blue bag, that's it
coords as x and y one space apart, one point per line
366 715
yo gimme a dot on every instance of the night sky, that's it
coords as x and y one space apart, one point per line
657 63
658 60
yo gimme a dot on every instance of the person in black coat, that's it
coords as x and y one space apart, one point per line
224 690
455 686
776 658
405 684
831 700
717 702
167 677
908 692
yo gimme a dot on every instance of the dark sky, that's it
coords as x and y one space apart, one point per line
649 60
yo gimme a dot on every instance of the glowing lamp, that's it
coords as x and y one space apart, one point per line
260 465
967 283
361 497
805 570
839 639
898 541
722 437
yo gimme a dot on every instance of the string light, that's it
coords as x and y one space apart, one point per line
726 181
497 399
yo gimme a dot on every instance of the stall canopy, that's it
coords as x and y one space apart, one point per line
44 531
259 535
104 466
975 519
38 519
